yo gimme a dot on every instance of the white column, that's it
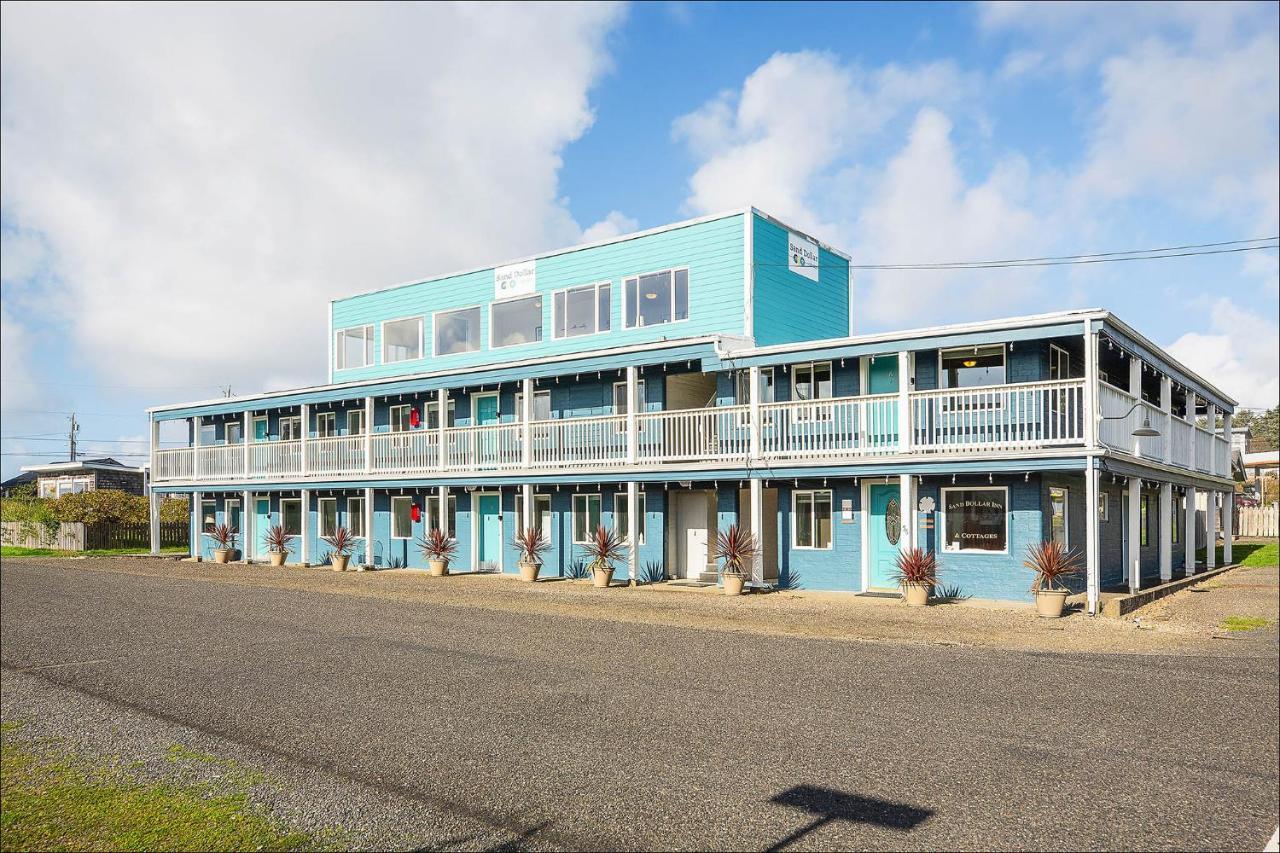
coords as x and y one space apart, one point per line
195 443
757 528
1211 529
244 433
368 519
306 436
1135 388
246 524
1091 391
1228 511
368 435
444 511
633 414
1226 435
197 526
304 553
527 504
1191 419
906 499
442 418
1166 406
753 398
155 445
153 506
1189 533
1134 558
1166 531
526 431
1211 424
904 403
1092 569
633 531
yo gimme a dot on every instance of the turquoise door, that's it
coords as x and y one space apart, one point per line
486 446
487 409
884 531
489 538
882 418
261 523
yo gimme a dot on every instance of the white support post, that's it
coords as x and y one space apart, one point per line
1093 571
633 532
633 415
1166 406
195 443
245 436
905 361
368 436
1189 533
246 524
444 511
757 528
305 530
1211 530
1091 391
1226 436
1228 511
1166 531
526 430
155 445
1211 424
197 526
368 518
1191 419
753 398
305 411
1133 559
1135 389
442 418
153 507
906 498
528 503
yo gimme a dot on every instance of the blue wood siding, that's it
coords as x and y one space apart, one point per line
839 568
787 306
712 250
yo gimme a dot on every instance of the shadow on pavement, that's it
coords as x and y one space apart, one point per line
830 805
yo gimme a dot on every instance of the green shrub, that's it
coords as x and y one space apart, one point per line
110 505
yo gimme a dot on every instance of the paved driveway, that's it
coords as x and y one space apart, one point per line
586 733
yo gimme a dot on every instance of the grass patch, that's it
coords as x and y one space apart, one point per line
53 799
1255 554
1243 623
16 551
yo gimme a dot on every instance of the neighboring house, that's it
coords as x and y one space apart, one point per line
84 475
1260 466
7 487
673 382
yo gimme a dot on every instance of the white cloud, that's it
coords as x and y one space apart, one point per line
613 225
1240 353
207 177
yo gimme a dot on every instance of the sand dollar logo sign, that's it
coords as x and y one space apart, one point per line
893 522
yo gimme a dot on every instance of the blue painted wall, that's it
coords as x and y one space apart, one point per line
788 306
839 568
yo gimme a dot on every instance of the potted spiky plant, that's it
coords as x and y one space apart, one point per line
439 548
605 548
278 544
224 542
917 573
737 549
1052 562
531 543
342 543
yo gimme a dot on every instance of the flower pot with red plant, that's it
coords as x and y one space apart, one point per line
342 542
737 549
277 541
1052 562
439 548
224 542
605 548
530 543
917 573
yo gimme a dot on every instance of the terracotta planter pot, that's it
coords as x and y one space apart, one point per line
278 557
339 561
529 571
437 568
601 578
1051 602
733 584
916 594
222 555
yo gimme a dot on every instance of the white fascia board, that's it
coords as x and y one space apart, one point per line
776 221
1142 339
63 467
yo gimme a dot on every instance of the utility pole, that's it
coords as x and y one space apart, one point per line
75 428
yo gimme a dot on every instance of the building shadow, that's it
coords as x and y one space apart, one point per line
828 805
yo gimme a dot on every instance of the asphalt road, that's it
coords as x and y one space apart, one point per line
582 733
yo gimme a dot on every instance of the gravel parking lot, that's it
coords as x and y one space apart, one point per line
407 711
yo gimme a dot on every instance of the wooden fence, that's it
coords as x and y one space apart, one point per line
77 536
1257 521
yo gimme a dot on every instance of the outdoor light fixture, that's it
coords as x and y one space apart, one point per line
1144 431
970 362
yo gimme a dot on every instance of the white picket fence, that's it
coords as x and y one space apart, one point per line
1258 521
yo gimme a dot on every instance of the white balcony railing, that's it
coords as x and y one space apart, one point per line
483 448
1181 440
275 458
849 426
335 455
1204 450
221 462
1221 456
405 452
573 442
176 464
1116 428
1007 417
692 435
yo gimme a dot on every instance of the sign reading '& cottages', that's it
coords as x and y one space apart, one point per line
802 256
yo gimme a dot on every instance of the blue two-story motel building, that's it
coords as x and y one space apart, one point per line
673 382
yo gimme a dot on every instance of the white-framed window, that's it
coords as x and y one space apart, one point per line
515 321
541 406
433 513
971 367
655 298
620 401
811 519
327 509
456 331
291 516
232 515
48 487
541 511
326 424
353 347
208 515
261 427
621 515
812 382
976 519
741 394
235 432
1058 509
398 417
355 422
71 486
1059 363
401 340
586 518
291 428
433 415
355 516
401 517
1104 507
208 435
581 310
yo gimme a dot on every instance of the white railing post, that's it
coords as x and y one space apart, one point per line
196 423
1091 412
753 398
1166 406
368 436
1166 531
442 417
633 405
526 429
905 360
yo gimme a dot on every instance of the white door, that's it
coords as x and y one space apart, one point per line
691 533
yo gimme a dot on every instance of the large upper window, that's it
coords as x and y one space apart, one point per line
582 310
515 321
975 519
656 298
457 331
812 381
353 347
401 340
968 367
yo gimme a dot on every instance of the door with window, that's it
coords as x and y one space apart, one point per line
485 443
884 532
882 418
488 533
261 524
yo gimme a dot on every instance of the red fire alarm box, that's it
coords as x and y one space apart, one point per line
415 513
